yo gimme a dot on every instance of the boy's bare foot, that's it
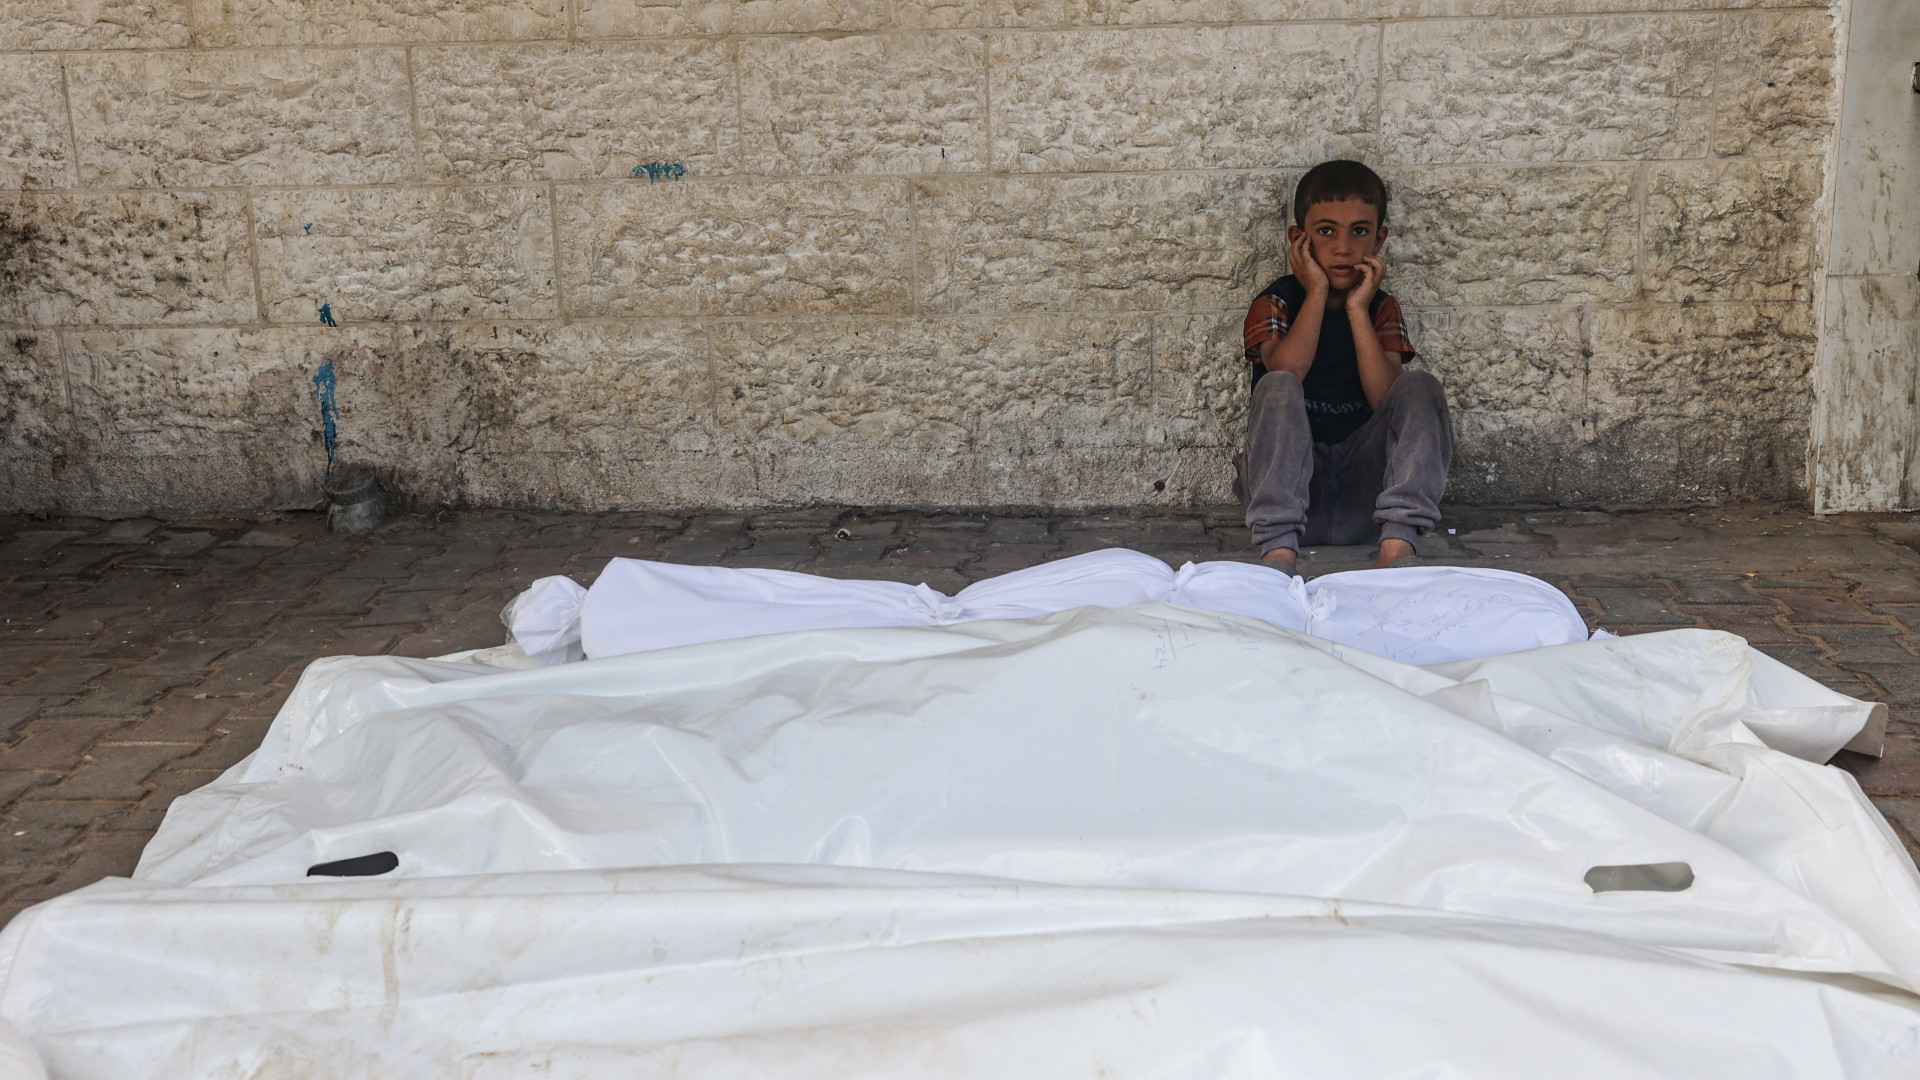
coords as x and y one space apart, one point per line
1285 555
1390 551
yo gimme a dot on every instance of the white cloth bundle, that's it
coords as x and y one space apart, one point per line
1417 615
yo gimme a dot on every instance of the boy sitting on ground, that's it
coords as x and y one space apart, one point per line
1343 443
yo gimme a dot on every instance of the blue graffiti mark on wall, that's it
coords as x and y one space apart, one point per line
326 315
658 170
309 225
323 382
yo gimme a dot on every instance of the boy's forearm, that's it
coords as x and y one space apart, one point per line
1378 368
1293 351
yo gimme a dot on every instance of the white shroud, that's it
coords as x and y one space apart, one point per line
1137 841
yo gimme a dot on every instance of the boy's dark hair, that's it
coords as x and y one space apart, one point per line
1331 181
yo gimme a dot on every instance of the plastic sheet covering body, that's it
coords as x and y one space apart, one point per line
1147 840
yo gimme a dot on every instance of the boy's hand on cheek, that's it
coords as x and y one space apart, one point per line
1371 271
1310 273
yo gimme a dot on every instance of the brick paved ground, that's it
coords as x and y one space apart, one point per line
139 658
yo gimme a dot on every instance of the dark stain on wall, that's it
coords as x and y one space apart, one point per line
22 248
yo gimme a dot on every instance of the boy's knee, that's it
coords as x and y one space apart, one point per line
1418 388
1278 386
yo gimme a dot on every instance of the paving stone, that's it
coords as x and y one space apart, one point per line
242 620
28 603
180 717
998 558
34 544
475 625
232 561
188 656
22 656
173 549
1825 607
222 752
342 596
391 608
34 844
120 697
1904 816
76 562
1808 660
72 623
15 784
1640 607
1896 775
55 744
59 678
1900 681
836 554
186 603
1718 589
1754 622
15 711
1021 531
454 567
264 537
1853 645
384 564
122 533
117 771
144 817
104 854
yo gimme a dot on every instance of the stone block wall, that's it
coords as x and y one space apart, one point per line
933 252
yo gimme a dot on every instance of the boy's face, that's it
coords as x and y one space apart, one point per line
1339 234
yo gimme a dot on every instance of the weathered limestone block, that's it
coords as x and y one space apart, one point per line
1524 8
33 393
406 253
1148 12
1702 362
589 415
1202 384
1097 243
1775 92
1596 89
978 14
673 18
1513 378
1733 230
1704 401
35 441
325 116
100 24
34 150
1238 98
196 419
560 112
128 257
887 104
735 247
1529 362
363 22
945 410
938 382
1510 235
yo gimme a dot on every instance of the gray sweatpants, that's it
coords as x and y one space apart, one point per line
1384 481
